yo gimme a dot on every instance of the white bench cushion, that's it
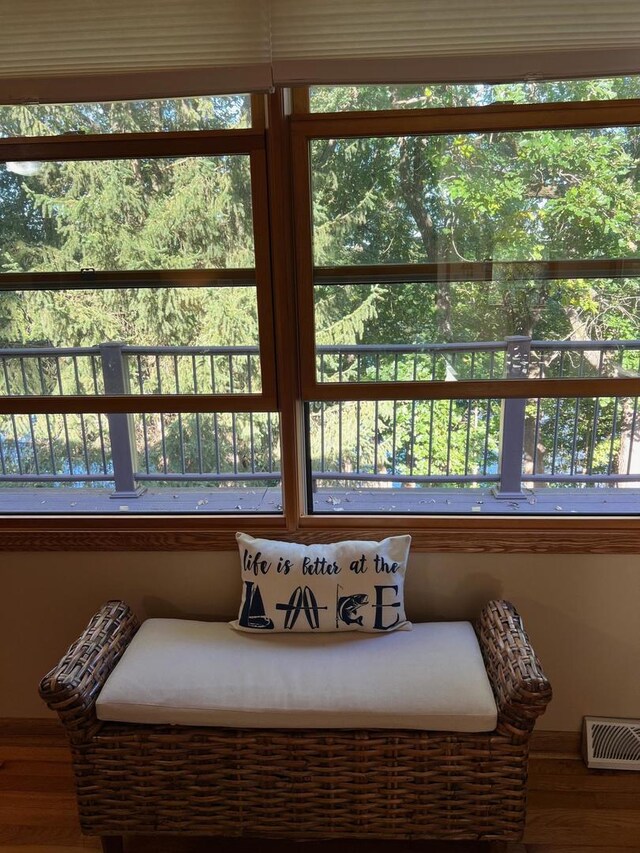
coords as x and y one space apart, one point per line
206 674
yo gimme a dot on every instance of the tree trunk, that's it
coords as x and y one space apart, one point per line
412 168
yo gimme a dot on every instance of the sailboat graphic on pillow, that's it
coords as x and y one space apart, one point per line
253 614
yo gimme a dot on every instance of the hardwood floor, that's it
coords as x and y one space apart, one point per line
571 809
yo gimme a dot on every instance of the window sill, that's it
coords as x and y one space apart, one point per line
540 535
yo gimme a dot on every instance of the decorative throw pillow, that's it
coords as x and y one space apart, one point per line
343 586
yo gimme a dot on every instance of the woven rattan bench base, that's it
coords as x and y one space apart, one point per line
301 784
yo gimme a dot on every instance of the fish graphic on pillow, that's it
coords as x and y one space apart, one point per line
348 606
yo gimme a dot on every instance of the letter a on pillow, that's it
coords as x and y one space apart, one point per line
344 586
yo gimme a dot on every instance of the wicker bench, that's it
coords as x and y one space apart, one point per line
299 783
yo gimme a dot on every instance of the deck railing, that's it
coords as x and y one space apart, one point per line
586 443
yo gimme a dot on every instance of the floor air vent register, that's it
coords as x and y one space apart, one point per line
611 744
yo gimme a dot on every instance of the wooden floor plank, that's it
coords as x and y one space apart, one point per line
622 783
610 800
15 769
57 754
617 828
554 848
42 783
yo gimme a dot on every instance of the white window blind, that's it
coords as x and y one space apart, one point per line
110 49
57 50
360 41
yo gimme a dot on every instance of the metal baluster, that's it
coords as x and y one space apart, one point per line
68 445
489 405
431 416
34 449
3 361
614 429
358 413
322 407
574 439
412 439
103 452
322 454
576 421
92 362
85 451
251 432
163 441
594 436
3 466
269 443
7 383
64 419
487 433
556 425
43 391
234 432
448 465
468 439
34 446
632 436
536 435
340 404
180 426
25 381
394 451
212 368
144 416
198 425
376 410
163 436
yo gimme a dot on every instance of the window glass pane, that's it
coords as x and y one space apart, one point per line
445 456
460 330
218 112
189 463
170 340
142 214
535 195
327 99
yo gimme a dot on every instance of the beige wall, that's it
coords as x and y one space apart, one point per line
582 612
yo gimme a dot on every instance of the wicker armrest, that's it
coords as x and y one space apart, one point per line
521 689
71 688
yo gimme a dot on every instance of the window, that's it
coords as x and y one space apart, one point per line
136 340
448 256
438 325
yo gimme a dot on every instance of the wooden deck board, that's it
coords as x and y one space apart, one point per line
427 500
179 500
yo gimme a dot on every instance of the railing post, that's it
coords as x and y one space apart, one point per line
512 422
121 428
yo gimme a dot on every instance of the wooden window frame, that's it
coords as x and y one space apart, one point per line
461 533
97 532
279 144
